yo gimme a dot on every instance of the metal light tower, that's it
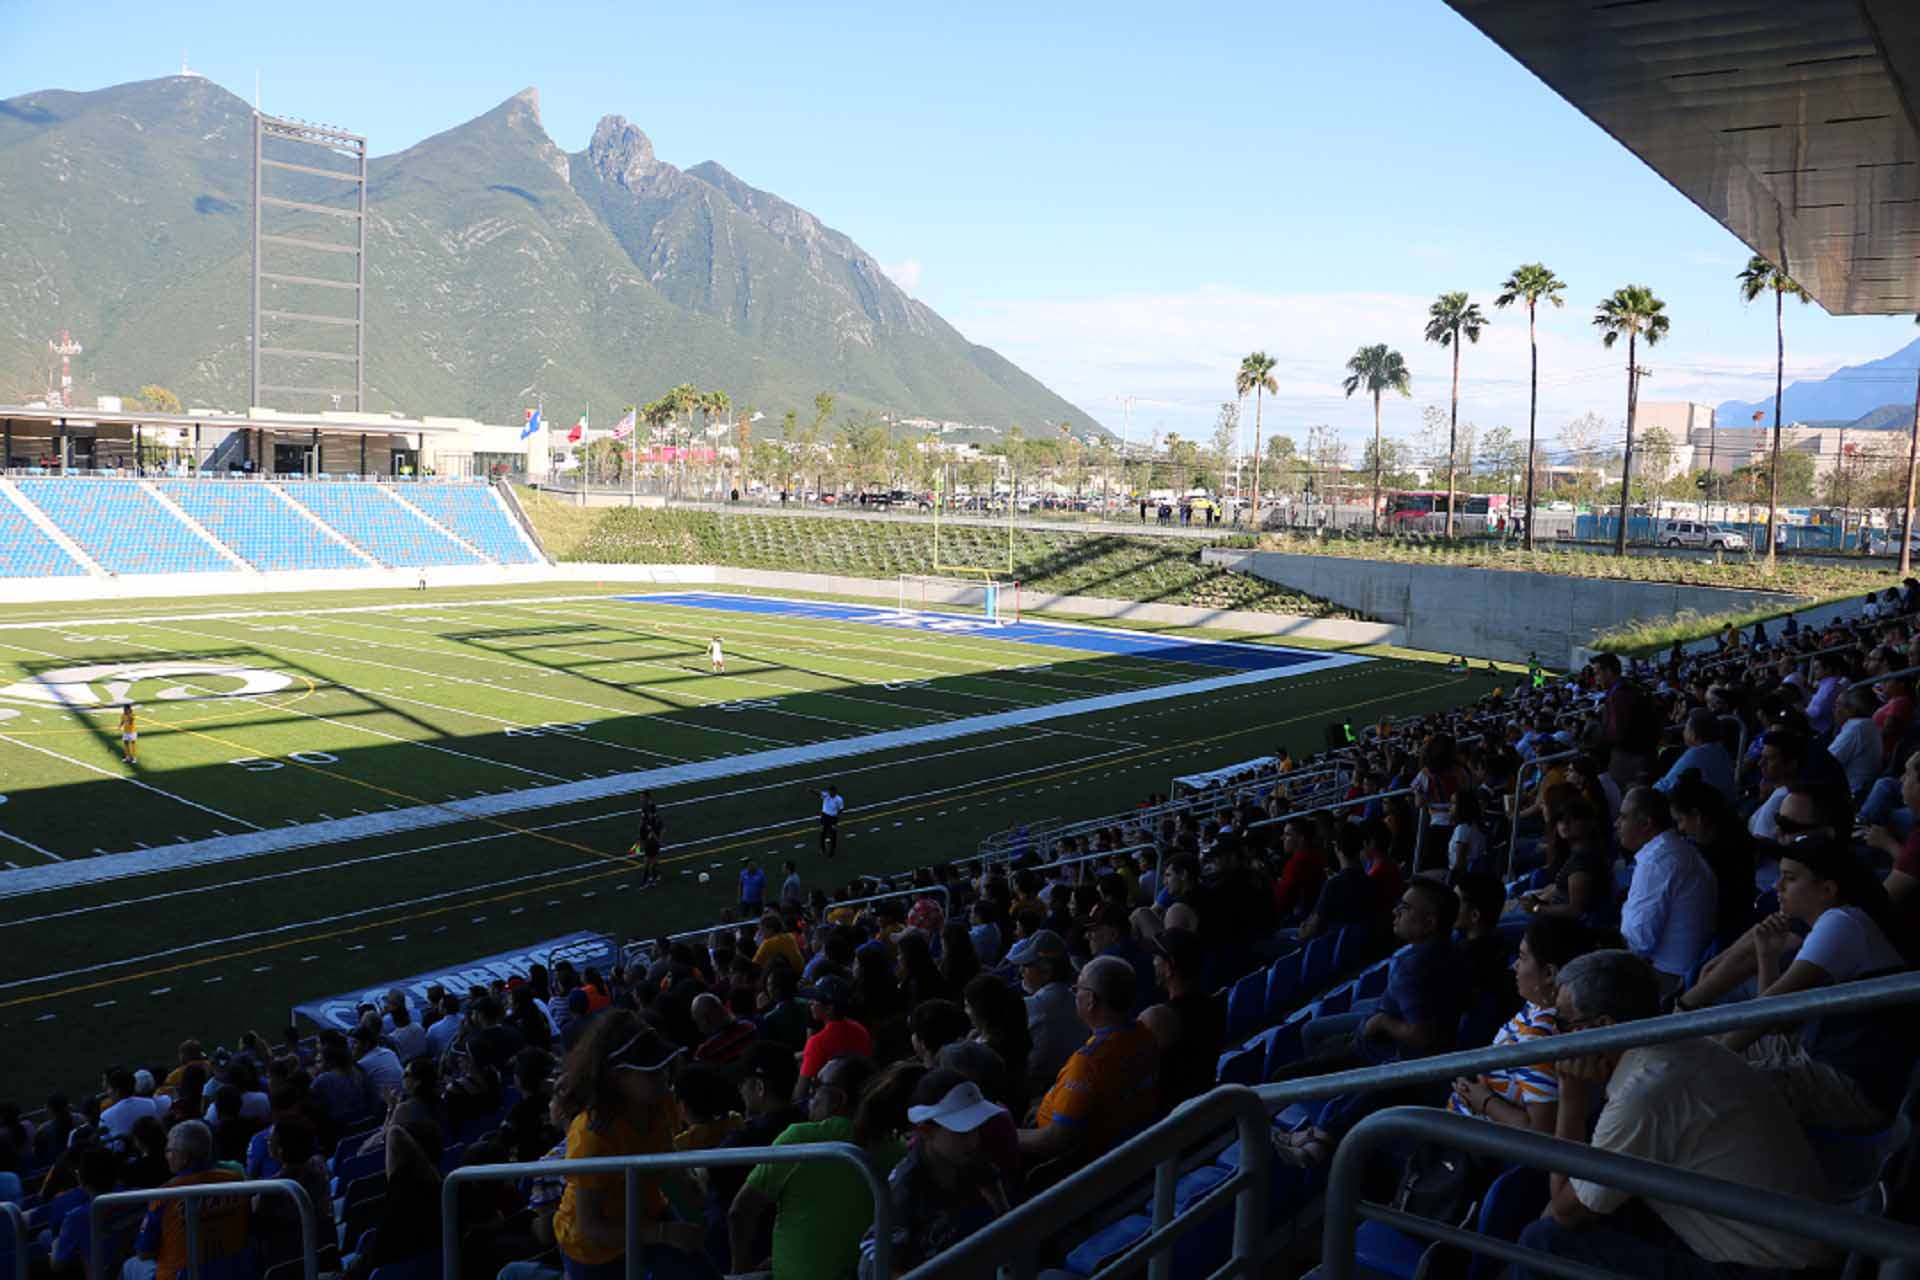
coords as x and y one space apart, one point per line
66 348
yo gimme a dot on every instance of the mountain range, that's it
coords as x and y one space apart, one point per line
1876 395
502 271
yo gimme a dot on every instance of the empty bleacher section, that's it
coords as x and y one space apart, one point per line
380 526
260 528
474 514
122 526
27 552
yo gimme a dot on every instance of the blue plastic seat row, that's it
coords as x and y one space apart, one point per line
27 552
257 525
374 522
473 512
121 525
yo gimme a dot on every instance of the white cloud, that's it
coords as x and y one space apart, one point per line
1177 353
905 274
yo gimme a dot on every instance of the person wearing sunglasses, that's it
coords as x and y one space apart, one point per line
617 1088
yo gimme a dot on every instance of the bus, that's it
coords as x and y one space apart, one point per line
1408 506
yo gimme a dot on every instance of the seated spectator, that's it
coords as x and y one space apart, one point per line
1673 903
381 1064
1527 1097
1467 843
1303 871
724 1039
709 1107
1704 817
1190 1026
776 943
1109 1087
1109 932
935 1024
1857 747
1706 755
123 1103
836 1034
409 1038
161 1246
766 1089
958 960
946 1187
1689 1105
1895 716
293 1148
1053 1019
783 1017
614 1087
998 1014
69 1225
1823 886
986 933
1487 959
821 1210
1383 869
1349 898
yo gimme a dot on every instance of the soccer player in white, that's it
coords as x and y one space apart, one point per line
716 657
831 804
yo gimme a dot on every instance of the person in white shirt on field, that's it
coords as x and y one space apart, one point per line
716 657
1673 904
832 805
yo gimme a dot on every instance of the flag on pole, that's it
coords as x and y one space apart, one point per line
579 429
623 428
533 424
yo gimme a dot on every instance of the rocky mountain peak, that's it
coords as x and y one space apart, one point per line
529 100
620 152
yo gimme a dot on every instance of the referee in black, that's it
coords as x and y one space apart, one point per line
831 806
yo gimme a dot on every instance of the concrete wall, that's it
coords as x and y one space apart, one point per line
1486 613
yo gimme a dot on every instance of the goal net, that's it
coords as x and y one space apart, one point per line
997 600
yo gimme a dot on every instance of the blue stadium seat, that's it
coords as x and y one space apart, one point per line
379 526
1372 980
1283 986
1246 1004
473 512
1318 967
1244 1065
121 525
27 552
257 524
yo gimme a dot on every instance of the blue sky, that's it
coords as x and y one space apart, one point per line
1124 199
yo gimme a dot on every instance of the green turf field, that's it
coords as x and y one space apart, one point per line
337 790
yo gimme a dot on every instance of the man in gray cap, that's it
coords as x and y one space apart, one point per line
1053 1021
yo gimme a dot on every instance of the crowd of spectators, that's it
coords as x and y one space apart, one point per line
1736 823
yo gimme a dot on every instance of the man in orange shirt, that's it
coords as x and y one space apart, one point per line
1109 1088
162 1243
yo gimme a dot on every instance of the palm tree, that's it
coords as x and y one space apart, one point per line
1256 375
1451 318
1761 276
1377 369
1532 284
1634 311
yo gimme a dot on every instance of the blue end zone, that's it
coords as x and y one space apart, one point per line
1133 644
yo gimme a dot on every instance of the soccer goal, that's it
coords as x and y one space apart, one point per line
995 599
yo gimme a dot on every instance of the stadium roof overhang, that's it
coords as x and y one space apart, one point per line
351 424
1791 122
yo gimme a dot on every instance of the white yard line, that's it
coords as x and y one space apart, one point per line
224 848
28 844
120 777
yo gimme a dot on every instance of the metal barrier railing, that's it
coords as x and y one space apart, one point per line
99 1263
946 902
1017 1234
1830 1224
1011 1243
1419 826
634 1168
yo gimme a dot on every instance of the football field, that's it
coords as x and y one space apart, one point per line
333 791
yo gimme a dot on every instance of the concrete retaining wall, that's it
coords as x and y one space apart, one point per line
1487 613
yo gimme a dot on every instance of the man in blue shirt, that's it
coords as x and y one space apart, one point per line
1673 903
753 889
1704 752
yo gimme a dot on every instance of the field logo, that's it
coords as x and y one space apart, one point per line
110 682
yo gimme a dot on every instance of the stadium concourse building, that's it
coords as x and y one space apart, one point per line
264 442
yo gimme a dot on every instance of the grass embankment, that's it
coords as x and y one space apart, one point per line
561 525
1120 567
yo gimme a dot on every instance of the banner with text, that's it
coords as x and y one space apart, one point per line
341 1012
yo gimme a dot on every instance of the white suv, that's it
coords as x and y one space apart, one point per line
1696 533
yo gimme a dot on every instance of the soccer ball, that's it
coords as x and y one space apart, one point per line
704 877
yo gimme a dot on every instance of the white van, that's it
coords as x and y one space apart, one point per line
1697 533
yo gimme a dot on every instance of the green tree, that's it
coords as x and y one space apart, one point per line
1256 375
1226 433
1453 317
1499 458
1532 284
1632 311
157 398
1792 476
1285 463
1390 461
1377 370
1758 277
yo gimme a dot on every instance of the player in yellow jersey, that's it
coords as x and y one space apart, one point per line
129 736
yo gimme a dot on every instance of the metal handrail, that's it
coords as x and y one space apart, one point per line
1513 819
1012 1241
635 1167
193 1195
1331 808
1867 682
1124 1166
1828 1223
946 899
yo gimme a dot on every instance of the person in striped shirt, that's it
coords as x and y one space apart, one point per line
1527 1097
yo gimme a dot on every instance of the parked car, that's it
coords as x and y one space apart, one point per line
1698 533
1886 542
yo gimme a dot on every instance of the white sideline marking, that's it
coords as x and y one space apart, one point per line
394 821
28 844
120 777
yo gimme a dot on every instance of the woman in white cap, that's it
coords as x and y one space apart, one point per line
946 1188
